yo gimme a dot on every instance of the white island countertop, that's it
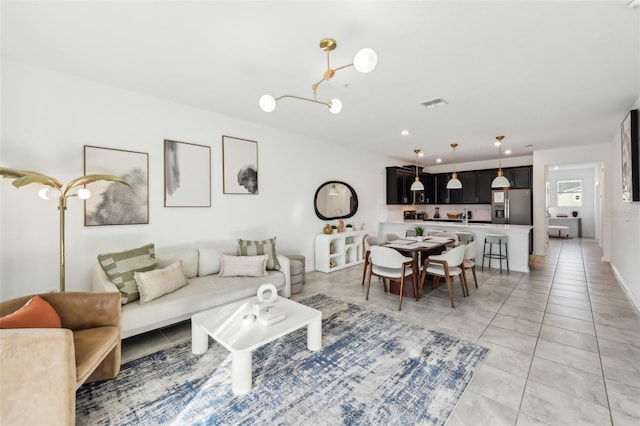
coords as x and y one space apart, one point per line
461 225
518 237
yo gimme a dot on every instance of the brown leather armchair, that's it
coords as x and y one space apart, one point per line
41 368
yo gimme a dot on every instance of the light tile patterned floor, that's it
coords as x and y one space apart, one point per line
564 338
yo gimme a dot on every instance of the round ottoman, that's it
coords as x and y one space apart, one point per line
296 270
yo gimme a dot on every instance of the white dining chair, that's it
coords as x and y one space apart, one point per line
452 236
446 265
388 263
369 241
469 262
390 237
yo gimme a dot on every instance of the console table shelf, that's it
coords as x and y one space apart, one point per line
339 250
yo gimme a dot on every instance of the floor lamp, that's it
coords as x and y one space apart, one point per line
24 177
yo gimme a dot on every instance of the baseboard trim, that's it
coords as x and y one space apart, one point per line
626 288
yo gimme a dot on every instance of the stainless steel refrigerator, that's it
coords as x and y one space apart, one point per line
511 206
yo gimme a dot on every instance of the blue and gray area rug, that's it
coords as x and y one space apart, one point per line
372 369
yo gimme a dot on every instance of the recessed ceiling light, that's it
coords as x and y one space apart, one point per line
438 160
497 143
434 103
404 132
508 152
556 168
421 154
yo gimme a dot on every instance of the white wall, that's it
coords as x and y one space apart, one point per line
542 159
624 223
587 210
47 117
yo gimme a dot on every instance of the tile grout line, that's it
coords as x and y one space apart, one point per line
533 354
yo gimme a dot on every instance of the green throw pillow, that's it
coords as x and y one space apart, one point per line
256 248
121 266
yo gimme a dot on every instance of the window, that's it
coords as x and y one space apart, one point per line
569 193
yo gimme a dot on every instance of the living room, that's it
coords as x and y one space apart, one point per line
50 115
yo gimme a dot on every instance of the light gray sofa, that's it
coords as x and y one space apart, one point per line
206 288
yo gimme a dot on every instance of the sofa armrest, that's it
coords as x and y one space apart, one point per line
100 282
285 268
38 377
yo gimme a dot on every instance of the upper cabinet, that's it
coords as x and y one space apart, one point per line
399 181
476 185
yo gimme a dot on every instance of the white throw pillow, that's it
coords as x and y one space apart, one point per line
243 266
156 283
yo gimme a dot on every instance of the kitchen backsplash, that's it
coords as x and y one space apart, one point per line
478 211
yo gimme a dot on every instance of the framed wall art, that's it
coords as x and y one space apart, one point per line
187 174
630 157
112 203
239 166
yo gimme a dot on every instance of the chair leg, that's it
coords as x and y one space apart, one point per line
465 288
368 287
500 252
366 265
401 291
384 284
473 270
506 253
448 281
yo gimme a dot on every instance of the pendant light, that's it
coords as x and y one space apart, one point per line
500 181
417 185
454 183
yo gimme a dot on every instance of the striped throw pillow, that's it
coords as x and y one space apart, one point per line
121 266
256 248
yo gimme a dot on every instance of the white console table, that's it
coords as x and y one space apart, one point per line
574 224
339 250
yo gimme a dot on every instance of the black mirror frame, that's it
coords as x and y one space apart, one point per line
354 198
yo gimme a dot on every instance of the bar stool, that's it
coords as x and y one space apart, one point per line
492 239
465 237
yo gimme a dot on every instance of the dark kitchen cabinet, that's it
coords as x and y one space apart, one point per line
429 182
522 177
398 184
469 187
483 185
476 185
399 181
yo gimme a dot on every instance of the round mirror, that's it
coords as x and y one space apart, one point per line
335 200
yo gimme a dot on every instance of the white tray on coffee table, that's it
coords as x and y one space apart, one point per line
229 326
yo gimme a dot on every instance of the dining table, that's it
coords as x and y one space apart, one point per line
418 248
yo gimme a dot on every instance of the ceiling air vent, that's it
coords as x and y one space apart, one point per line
434 103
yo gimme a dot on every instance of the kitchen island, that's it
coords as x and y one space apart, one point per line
519 237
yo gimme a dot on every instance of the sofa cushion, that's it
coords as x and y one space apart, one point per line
158 282
209 259
202 293
188 257
36 313
243 266
254 248
120 267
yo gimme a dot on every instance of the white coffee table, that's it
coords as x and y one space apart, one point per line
226 324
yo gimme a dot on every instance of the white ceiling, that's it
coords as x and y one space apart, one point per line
545 74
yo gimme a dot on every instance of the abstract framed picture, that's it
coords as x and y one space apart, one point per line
112 203
630 157
239 166
187 174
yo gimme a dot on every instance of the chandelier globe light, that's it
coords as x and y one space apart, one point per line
417 185
364 62
454 182
500 180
